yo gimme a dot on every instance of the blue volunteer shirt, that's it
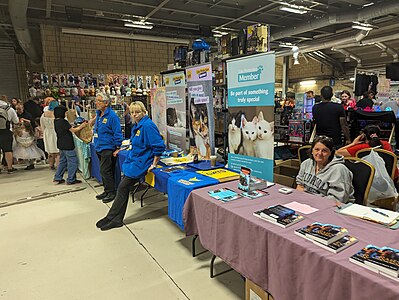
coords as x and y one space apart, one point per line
146 143
107 131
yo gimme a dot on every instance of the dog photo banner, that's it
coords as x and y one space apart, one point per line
250 98
200 96
175 94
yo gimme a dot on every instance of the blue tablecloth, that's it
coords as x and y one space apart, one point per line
177 184
180 185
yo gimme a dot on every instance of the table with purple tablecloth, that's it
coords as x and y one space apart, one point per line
286 265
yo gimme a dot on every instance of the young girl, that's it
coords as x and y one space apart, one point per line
26 147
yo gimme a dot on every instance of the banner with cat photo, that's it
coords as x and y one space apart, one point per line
175 92
250 90
158 109
201 120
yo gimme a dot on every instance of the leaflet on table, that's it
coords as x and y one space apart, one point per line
378 215
323 233
224 194
173 169
336 247
300 207
279 215
222 175
384 260
254 194
171 161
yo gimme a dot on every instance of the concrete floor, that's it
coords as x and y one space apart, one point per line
51 249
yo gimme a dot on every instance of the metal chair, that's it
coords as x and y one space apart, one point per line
363 175
304 153
389 158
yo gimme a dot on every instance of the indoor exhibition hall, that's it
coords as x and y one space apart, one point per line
199 149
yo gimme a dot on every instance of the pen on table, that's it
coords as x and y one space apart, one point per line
379 212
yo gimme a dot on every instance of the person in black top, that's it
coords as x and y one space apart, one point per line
330 119
33 107
366 101
22 114
68 158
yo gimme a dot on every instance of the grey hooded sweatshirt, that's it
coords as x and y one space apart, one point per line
334 180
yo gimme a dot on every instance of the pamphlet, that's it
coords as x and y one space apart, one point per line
254 194
224 194
279 215
378 215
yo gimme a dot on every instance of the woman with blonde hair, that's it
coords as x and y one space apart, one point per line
147 147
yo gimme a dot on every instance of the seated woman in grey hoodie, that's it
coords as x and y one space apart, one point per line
325 174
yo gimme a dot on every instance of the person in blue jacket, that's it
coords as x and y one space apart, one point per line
147 147
107 141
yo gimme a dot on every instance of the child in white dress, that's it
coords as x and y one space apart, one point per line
25 147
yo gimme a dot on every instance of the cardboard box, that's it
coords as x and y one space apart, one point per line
285 174
291 163
285 180
254 292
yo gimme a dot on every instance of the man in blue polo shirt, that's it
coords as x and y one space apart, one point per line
107 139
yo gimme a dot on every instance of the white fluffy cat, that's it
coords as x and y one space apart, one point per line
249 134
264 144
234 136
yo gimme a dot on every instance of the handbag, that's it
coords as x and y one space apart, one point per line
86 134
71 112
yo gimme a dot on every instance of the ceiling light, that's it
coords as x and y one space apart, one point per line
286 45
347 59
362 26
307 83
368 4
219 32
296 61
217 35
139 24
293 10
352 79
383 54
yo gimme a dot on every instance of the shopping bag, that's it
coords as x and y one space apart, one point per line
383 185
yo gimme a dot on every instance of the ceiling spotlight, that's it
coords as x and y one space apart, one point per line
347 59
292 8
296 61
384 54
362 26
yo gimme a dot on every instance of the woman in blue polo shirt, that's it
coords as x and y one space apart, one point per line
107 140
147 147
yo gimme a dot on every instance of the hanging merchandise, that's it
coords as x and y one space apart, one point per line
74 91
54 80
148 82
45 82
140 82
101 79
201 117
258 38
250 92
175 90
132 81
71 79
36 79
62 80
200 44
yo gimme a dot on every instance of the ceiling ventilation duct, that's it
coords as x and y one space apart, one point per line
17 10
368 13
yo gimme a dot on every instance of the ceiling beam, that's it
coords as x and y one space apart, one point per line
48 9
156 9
